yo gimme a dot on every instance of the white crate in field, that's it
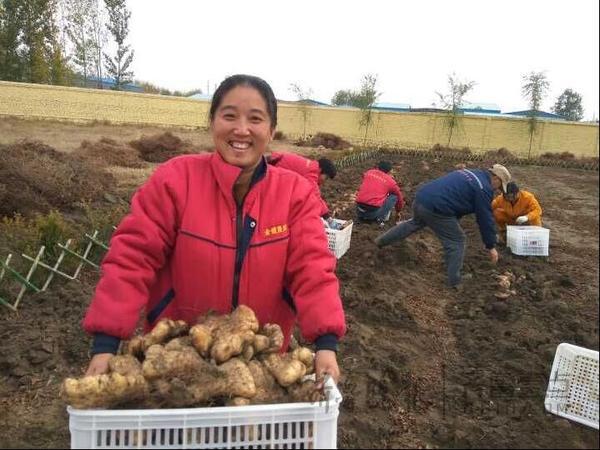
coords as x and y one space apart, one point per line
528 240
573 387
289 425
339 240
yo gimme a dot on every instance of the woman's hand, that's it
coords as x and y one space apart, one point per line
326 364
98 364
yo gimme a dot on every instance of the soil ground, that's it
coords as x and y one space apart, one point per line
422 366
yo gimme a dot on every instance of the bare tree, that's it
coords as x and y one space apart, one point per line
534 89
452 102
98 21
80 34
366 98
118 25
303 96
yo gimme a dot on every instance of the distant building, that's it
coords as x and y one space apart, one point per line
311 102
539 114
480 108
394 107
428 110
109 83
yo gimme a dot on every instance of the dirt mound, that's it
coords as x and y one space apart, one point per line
442 148
501 153
37 178
162 147
110 152
327 140
423 367
565 156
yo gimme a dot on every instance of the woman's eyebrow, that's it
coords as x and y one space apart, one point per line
234 108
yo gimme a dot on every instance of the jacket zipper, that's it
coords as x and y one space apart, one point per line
238 254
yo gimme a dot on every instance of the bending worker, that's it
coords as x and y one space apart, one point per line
441 203
317 172
516 207
378 194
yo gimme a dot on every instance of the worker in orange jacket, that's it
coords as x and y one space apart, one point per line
516 207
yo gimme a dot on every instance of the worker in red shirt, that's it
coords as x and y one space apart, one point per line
317 172
378 194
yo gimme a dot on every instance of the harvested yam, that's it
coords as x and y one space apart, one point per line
286 369
221 359
305 392
164 364
104 391
238 401
267 389
165 330
202 332
232 335
125 365
203 385
306 356
179 343
275 339
226 336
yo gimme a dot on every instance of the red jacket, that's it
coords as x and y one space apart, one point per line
308 168
177 253
376 186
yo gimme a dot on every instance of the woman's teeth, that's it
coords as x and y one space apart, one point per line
240 145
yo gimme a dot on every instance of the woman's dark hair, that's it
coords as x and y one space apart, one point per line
245 80
327 167
385 166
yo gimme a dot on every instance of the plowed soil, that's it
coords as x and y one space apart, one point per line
422 366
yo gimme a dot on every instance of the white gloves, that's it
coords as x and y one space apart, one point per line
521 220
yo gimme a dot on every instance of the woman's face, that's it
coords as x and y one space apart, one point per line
241 127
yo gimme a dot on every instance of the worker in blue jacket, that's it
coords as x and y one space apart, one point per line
441 203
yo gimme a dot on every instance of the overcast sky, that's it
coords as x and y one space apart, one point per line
412 45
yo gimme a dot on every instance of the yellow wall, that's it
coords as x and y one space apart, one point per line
418 130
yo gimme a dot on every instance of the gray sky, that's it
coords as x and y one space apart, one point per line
327 45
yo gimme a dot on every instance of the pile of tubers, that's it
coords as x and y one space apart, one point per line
504 284
221 360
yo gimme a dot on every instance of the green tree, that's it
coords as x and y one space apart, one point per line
534 89
39 39
367 96
60 74
81 35
98 21
568 105
452 102
118 25
364 99
11 62
345 98
303 95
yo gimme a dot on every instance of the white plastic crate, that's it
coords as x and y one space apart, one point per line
573 388
289 425
528 240
339 240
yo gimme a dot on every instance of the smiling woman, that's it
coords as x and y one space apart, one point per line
243 117
200 237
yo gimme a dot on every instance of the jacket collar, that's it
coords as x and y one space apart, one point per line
227 174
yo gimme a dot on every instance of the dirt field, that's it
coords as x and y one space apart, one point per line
422 366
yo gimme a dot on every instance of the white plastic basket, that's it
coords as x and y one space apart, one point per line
528 240
289 425
573 388
339 240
